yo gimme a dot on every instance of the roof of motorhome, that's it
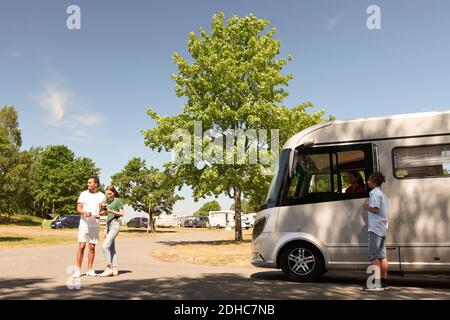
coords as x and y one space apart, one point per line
402 125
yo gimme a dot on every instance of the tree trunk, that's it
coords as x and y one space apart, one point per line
149 217
237 214
152 222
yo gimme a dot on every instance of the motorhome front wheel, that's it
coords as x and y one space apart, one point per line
302 262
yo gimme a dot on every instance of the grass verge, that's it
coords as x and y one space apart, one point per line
223 252
12 240
20 220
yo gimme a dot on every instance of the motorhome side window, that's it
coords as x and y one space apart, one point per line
422 161
327 174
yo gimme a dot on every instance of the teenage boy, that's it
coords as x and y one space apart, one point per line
377 210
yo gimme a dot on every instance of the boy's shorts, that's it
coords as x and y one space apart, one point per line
377 248
90 235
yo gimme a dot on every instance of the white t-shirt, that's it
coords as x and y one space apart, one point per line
91 203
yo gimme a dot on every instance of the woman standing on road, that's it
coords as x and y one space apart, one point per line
114 210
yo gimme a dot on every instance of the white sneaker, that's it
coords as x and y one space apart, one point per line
76 274
115 271
107 273
91 273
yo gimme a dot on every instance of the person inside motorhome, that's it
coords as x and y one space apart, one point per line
356 182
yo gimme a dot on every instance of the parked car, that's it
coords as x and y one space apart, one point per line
66 221
189 222
139 222
201 222
180 220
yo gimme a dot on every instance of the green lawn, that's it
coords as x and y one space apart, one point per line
20 220
10 240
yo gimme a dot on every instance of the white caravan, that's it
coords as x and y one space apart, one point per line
221 219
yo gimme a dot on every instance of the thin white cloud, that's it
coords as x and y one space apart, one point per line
57 101
90 119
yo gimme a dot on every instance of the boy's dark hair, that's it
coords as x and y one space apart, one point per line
96 179
377 177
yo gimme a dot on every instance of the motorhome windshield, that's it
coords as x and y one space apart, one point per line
278 177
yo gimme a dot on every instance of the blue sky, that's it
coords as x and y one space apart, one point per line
89 89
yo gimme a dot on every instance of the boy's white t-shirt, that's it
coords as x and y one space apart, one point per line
378 222
91 203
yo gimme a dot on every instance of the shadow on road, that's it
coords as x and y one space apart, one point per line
359 278
121 272
261 286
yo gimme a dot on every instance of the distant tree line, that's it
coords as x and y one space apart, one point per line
45 180
40 180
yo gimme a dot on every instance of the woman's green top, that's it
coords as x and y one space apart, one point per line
115 205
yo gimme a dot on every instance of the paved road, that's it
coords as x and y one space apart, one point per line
40 273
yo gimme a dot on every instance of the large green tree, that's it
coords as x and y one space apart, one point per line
146 189
232 82
58 178
207 207
15 165
9 125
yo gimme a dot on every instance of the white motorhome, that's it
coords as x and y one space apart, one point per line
221 219
309 224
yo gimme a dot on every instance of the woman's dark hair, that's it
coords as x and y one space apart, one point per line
358 176
377 177
113 190
96 179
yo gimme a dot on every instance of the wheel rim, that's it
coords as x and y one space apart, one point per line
301 261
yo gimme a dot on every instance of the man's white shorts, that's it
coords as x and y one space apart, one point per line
88 235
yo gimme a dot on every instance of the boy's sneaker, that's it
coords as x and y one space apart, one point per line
76 274
384 284
373 288
91 273
115 271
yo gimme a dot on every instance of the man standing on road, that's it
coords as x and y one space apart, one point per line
88 206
